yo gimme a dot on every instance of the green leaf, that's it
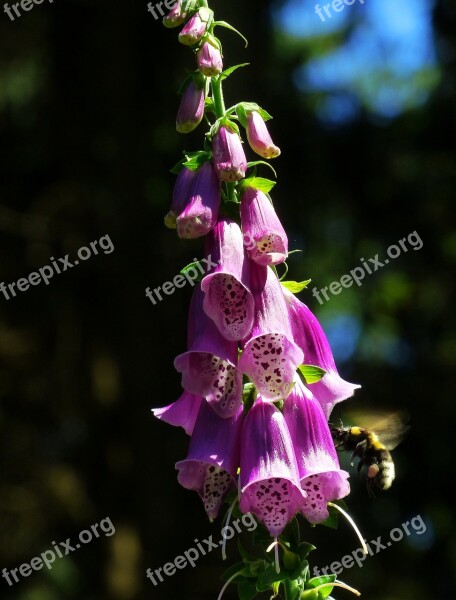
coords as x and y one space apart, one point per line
231 28
224 74
259 183
294 286
194 266
311 373
247 590
254 163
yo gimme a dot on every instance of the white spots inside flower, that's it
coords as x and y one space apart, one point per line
229 306
216 484
271 500
270 369
268 248
221 381
320 489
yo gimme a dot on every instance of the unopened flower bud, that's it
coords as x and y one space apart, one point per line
258 136
229 157
191 109
180 197
209 59
196 27
175 17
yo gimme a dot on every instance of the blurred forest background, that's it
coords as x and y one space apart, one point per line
364 112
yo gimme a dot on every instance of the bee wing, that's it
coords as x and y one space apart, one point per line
390 428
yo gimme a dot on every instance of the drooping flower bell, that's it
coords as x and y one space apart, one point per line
195 28
209 367
181 413
319 470
229 157
311 338
191 108
180 197
270 357
201 212
269 478
258 136
228 300
213 458
175 17
209 59
266 240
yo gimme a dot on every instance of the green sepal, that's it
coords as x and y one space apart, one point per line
248 395
195 160
296 286
311 373
209 105
293 589
304 549
317 581
259 183
243 108
231 28
269 577
223 122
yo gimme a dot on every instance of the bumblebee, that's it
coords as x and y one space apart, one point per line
372 446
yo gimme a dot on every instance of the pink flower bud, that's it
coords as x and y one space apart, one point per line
200 214
229 157
209 60
180 197
196 27
191 109
175 17
258 135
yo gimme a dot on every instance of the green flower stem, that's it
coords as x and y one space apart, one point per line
217 95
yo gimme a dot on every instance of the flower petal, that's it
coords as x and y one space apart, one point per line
209 366
213 458
270 357
311 338
319 470
269 474
181 413
228 301
266 240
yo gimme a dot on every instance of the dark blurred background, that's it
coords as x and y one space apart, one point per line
364 112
